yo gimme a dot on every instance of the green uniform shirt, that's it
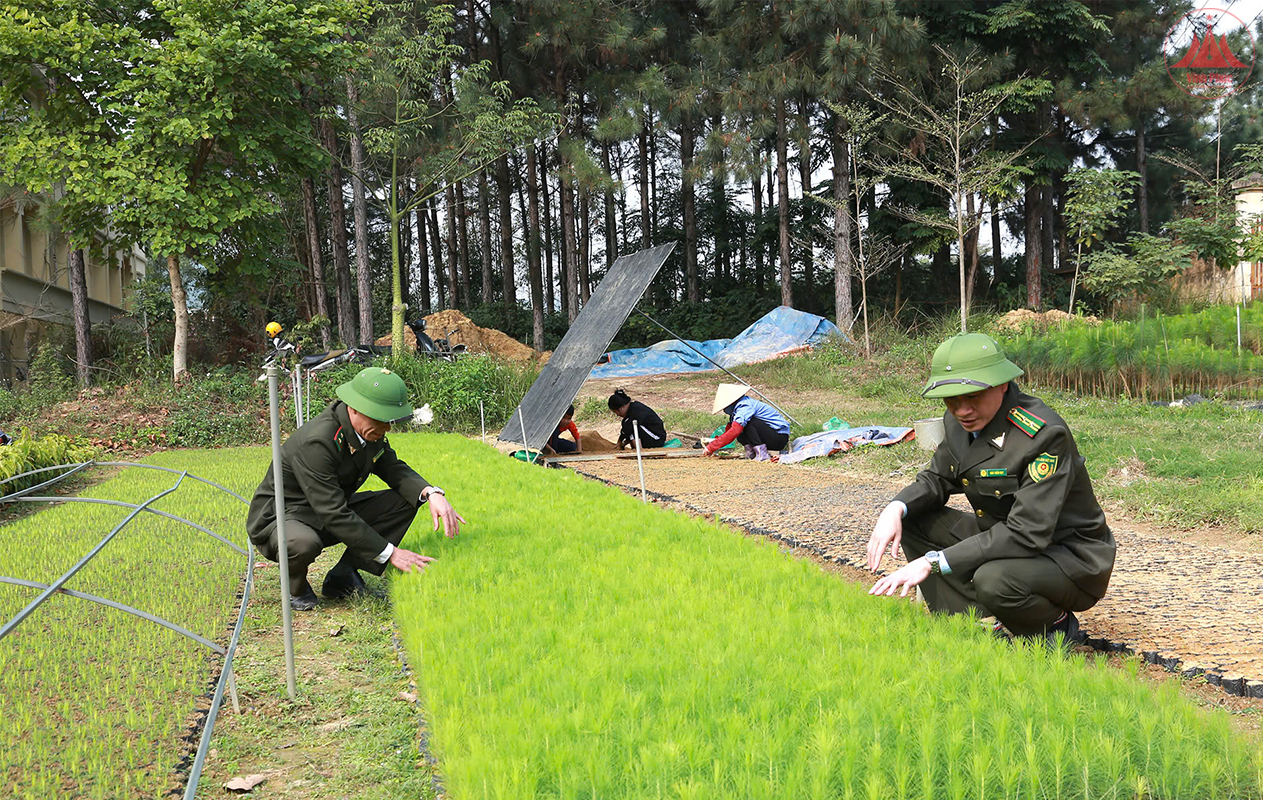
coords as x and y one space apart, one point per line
323 464
1029 489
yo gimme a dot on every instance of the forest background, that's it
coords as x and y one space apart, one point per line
342 165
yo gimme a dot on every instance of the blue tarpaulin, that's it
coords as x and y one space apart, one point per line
826 443
781 330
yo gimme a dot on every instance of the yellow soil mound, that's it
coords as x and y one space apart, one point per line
1020 318
594 442
478 340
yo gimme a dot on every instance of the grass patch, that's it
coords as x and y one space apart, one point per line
104 695
575 643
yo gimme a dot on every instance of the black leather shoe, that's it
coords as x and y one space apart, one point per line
1068 627
343 584
303 602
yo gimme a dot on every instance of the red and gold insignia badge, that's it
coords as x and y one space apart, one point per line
1044 465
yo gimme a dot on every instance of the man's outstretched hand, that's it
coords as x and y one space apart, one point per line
887 533
903 579
440 509
408 561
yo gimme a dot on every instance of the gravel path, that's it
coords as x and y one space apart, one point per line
1190 607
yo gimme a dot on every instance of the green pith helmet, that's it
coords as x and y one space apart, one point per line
968 363
377 393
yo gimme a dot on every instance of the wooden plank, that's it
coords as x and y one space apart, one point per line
655 454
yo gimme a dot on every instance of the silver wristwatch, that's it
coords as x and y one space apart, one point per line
936 564
432 490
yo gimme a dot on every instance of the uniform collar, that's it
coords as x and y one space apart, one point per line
994 435
354 442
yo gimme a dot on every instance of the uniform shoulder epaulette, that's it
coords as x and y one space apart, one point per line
1026 422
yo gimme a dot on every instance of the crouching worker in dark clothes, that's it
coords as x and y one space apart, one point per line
755 424
1035 547
652 432
323 464
557 445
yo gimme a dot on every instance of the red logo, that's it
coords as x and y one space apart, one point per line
1209 53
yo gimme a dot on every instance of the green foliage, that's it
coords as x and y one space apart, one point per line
28 453
1153 356
452 388
640 652
105 696
1115 276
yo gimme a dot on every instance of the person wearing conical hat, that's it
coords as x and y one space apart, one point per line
323 464
757 425
1034 547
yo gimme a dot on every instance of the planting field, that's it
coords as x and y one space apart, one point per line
94 702
573 643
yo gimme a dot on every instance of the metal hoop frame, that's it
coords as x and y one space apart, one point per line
226 679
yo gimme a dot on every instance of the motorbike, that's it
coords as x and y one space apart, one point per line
436 348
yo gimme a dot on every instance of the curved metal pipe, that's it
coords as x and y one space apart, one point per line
136 612
173 472
120 503
9 498
68 574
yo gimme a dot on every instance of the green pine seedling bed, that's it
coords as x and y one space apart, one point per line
573 643
94 702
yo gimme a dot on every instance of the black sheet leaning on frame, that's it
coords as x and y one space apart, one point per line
593 330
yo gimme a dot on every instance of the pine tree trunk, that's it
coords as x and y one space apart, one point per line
653 185
611 231
568 248
462 238
436 244
1142 167
423 256
688 204
804 176
82 321
643 175
337 236
1031 242
453 254
547 220
180 305
359 207
782 204
532 252
843 260
484 235
317 264
997 255
1047 242
757 192
585 248
508 279
405 248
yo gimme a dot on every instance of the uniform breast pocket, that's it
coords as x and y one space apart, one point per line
997 488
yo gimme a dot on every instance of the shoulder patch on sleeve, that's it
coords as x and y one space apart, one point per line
1043 466
1026 422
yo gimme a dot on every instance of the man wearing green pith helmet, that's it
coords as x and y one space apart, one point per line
323 464
1035 547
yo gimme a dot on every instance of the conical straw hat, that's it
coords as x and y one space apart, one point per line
727 394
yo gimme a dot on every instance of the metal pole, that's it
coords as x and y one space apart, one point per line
644 498
526 448
482 416
307 396
1238 327
282 551
717 364
232 692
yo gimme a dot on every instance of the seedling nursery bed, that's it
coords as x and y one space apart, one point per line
576 643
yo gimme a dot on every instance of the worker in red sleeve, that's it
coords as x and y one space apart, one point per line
556 444
757 425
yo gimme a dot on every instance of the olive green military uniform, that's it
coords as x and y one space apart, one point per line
1036 543
323 464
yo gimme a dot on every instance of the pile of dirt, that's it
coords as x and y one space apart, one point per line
458 329
1020 318
594 442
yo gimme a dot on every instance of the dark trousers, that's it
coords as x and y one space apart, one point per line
385 511
758 432
1026 594
560 445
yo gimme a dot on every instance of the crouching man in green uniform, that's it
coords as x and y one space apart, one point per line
1035 548
323 464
